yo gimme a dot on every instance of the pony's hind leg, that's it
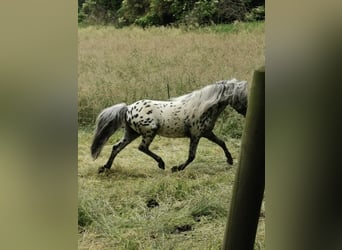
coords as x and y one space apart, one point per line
213 138
192 153
129 136
144 147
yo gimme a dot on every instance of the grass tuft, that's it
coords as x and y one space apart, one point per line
211 209
84 219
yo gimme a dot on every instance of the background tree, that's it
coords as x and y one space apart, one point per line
169 12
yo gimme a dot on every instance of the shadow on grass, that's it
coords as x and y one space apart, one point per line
202 168
195 171
120 173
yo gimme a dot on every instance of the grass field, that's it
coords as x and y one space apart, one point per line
136 205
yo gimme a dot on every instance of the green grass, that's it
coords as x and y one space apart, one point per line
113 211
124 65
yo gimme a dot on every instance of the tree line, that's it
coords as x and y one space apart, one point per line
169 12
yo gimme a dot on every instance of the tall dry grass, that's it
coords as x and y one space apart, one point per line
124 65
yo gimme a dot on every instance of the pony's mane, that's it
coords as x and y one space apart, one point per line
199 101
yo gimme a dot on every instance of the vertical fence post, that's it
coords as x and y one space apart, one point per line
250 177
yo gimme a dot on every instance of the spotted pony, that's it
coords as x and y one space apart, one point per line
192 115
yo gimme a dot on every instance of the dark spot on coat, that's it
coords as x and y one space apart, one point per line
149 112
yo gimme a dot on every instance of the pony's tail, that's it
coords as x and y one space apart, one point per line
108 121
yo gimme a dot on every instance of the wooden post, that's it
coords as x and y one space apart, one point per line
250 177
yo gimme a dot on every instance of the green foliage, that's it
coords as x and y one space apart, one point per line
165 12
231 10
256 14
203 12
131 11
161 12
98 11
168 12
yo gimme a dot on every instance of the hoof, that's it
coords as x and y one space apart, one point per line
101 170
161 165
175 169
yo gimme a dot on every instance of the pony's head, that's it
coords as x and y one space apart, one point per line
236 93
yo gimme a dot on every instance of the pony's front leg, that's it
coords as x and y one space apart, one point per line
144 147
192 153
213 138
